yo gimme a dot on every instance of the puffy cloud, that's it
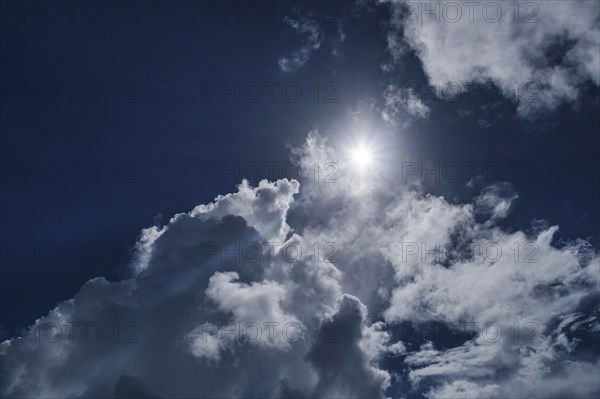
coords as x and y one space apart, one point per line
257 304
448 266
351 259
264 207
539 54
341 364
141 326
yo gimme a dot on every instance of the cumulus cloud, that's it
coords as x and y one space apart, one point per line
255 303
342 364
145 323
539 54
343 265
230 323
451 264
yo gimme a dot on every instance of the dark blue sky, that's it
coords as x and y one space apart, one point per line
117 116
143 124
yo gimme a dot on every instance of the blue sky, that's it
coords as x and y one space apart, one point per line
120 121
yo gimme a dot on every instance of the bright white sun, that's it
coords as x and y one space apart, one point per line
361 156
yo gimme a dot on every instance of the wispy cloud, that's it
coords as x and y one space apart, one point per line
312 39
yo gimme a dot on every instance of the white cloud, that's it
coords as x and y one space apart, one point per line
399 103
363 292
312 41
495 200
505 277
253 303
539 57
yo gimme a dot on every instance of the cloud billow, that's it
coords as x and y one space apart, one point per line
202 321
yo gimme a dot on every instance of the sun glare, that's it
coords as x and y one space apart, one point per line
361 156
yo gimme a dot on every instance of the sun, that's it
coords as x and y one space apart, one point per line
362 156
